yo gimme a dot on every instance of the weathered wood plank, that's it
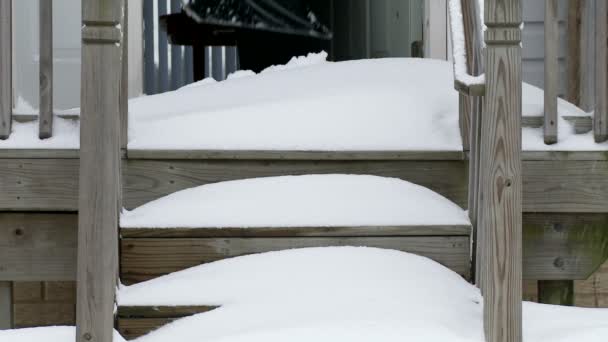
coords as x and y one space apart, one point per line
600 121
162 311
38 154
294 155
593 292
132 328
146 258
564 246
554 181
295 231
574 54
147 179
135 321
100 183
556 292
500 169
6 305
551 71
37 246
6 68
124 79
45 123
39 184
477 89
581 124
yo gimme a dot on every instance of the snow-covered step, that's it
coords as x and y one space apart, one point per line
234 218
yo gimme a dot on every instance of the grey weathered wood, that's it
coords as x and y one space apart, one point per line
45 123
554 181
556 292
146 258
37 246
581 124
149 179
6 305
39 154
477 89
135 321
587 59
99 190
500 205
295 155
296 231
124 80
34 117
574 54
464 120
600 122
6 68
551 72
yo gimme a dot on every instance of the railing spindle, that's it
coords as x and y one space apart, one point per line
600 119
45 127
551 71
6 68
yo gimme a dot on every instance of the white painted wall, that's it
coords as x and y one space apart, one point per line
436 39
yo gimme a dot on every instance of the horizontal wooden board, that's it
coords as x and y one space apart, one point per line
294 155
162 311
38 184
581 124
146 180
295 231
147 258
564 246
136 321
132 328
39 154
38 246
553 181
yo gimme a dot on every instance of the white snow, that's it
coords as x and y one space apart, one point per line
354 294
310 104
341 294
458 46
45 334
302 201
383 104
66 135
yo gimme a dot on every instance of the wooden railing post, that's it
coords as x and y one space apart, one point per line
600 119
45 122
124 80
500 203
551 71
99 193
6 68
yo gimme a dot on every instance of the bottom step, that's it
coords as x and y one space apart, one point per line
136 321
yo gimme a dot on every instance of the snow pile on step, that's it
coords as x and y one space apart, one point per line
66 135
382 104
302 201
45 334
341 294
316 294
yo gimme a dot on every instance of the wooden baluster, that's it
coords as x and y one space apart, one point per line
6 68
600 119
500 202
474 49
124 81
45 122
99 194
551 71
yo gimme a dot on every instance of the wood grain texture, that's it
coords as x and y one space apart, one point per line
146 180
45 123
581 124
39 184
6 305
44 303
551 72
295 231
37 246
593 292
124 78
146 258
600 122
574 55
6 68
136 321
100 184
464 120
500 204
